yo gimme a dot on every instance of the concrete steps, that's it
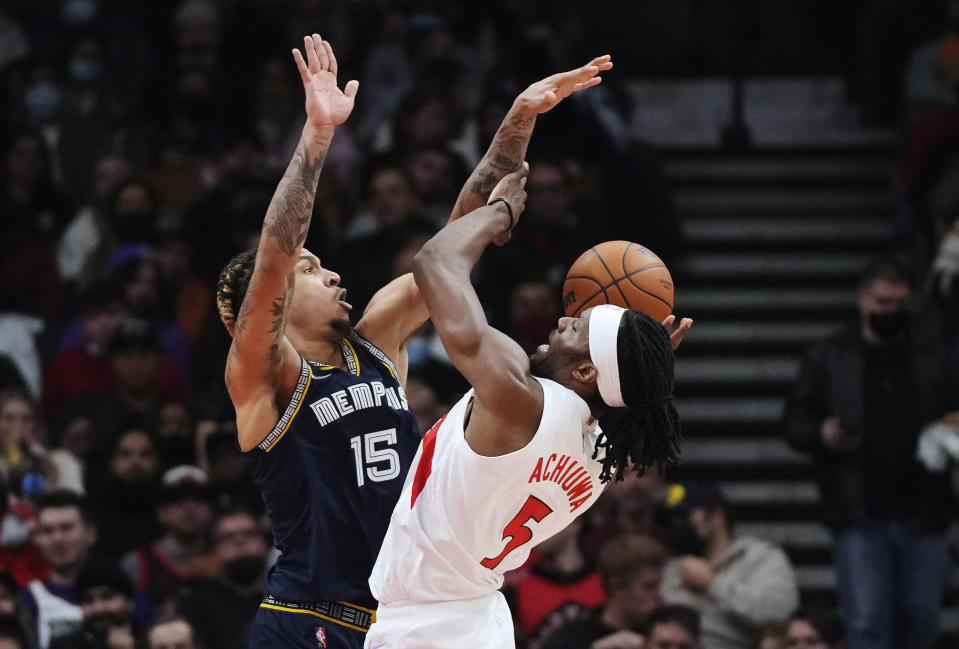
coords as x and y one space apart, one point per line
776 241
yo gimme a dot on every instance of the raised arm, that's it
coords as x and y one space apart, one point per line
397 310
496 367
261 360
508 149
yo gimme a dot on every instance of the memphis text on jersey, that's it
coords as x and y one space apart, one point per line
357 397
569 474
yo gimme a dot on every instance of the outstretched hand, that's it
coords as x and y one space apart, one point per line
545 94
677 332
512 188
326 104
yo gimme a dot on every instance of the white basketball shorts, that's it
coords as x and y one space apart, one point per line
482 623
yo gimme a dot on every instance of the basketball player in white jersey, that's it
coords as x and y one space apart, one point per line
520 455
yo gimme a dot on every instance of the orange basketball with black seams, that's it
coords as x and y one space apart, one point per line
622 273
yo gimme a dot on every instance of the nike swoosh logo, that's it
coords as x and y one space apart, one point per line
320 377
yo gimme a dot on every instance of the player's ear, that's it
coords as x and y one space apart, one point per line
584 371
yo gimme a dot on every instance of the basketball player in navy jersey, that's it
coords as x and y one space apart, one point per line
320 405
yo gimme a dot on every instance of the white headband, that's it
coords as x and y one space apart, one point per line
603 329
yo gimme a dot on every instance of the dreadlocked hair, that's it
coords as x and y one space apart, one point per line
232 285
647 432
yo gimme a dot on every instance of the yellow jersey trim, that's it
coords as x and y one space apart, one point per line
286 609
356 357
376 352
299 396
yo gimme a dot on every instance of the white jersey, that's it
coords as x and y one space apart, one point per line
464 519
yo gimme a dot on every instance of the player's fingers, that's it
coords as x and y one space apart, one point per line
351 88
330 57
310 48
677 336
301 66
668 321
604 62
585 73
595 81
324 61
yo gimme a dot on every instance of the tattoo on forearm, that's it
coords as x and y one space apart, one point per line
288 217
484 185
505 155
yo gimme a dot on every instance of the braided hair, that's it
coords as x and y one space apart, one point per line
647 432
232 285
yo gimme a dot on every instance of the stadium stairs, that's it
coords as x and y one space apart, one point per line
776 238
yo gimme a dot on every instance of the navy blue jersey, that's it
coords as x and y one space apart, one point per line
331 471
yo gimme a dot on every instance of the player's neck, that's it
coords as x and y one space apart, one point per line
320 351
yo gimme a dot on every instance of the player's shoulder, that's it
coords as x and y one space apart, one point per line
368 351
558 397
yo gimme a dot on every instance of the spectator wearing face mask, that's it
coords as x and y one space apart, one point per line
737 584
221 608
860 401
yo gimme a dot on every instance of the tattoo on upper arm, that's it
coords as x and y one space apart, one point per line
288 217
280 309
245 308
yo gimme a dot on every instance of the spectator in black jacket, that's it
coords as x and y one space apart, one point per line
860 401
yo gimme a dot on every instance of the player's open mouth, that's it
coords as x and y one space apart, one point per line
341 298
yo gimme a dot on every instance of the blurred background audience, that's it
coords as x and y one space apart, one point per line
141 143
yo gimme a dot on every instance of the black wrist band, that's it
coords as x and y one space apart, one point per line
509 208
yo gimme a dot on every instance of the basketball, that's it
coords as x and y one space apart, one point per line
622 273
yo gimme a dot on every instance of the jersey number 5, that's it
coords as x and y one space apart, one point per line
376 456
516 529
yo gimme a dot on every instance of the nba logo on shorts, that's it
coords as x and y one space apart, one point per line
321 637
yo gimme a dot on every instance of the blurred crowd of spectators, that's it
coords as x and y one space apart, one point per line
142 143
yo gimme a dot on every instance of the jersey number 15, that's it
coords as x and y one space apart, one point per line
381 463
